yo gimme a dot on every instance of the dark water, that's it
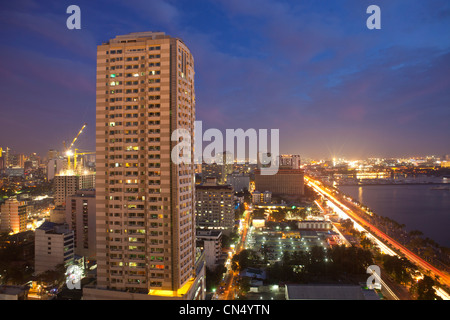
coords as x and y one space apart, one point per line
417 206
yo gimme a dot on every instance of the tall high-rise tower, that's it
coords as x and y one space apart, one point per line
144 202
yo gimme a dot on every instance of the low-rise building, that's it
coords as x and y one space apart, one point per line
13 292
210 241
329 292
315 224
54 245
261 197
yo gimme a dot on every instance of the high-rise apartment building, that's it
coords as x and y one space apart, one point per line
67 184
145 215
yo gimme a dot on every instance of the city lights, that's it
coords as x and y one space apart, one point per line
222 156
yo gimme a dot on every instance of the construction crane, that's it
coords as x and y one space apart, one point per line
67 150
76 154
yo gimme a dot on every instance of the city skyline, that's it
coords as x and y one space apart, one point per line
332 87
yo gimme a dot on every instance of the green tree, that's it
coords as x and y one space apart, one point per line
286 258
245 284
425 290
246 258
415 233
366 243
398 268
258 213
279 215
213 277
347 224
316 260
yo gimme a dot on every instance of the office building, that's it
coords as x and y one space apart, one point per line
289 161
287 183
228 164
54 245
214 206
54 167
239 181
210 242
17 160
13 216
261 197
3 158
52 154
144 201
80 217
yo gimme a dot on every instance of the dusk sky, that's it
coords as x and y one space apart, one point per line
309 68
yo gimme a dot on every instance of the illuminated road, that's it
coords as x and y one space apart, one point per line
229 288
360 223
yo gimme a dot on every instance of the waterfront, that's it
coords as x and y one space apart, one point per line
419 207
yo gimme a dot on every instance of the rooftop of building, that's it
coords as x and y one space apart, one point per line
139 36
85 193
316 220
283 170
54 228
214 187
12 290
329 292
208 233
259 192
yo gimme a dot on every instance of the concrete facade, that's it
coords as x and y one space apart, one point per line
80 216
145 222
13 216
214 207
54 245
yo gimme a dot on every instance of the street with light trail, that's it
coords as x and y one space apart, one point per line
361 224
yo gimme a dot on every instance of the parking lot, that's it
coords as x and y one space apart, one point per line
272 243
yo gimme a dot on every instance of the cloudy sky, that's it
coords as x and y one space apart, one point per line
311 69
